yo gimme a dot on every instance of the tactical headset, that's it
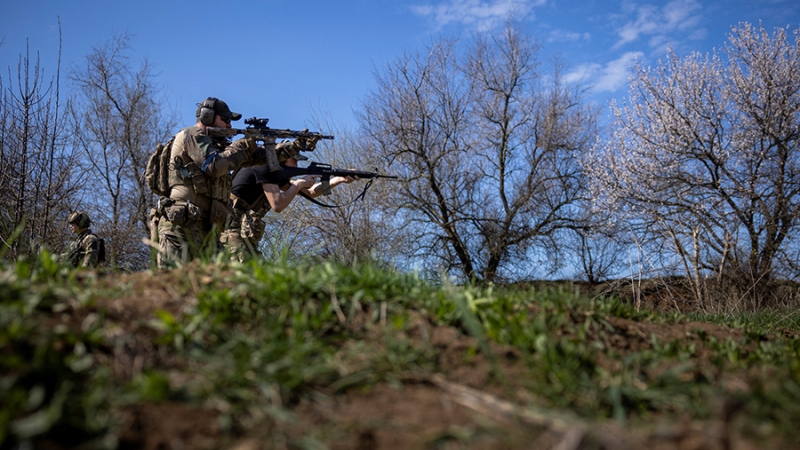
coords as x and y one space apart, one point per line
205 111
80 219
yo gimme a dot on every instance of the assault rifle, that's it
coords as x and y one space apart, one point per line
257 129
325 172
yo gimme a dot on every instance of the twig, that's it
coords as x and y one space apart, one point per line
572 428
572 439
336 308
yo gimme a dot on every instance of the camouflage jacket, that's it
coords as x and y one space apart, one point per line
84 250
201 168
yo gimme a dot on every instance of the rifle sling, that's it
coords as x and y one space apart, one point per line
325 205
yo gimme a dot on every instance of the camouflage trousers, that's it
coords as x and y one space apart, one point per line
179 244
243 232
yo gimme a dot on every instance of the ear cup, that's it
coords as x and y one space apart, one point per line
205 111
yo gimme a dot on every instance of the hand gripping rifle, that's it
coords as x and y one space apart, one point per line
258 130
325 172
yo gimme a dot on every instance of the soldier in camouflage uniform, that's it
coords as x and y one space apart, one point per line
200 176
84 250
256 191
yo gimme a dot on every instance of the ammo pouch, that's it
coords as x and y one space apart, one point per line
182 213
176 214
221 187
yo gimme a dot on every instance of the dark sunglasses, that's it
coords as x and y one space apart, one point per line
225 119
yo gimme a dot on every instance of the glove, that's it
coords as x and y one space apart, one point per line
305 143
250 145
264 155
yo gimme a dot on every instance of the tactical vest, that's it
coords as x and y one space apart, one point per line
82 246
186 166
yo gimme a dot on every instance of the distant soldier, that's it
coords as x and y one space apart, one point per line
85 250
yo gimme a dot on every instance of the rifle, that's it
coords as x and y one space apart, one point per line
257 129
325 171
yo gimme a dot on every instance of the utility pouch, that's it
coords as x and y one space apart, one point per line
176 214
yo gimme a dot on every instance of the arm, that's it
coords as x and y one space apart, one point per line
316 190
235 155
278 199
198 152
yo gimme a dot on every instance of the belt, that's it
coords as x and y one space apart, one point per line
240 203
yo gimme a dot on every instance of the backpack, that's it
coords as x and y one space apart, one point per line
101 250
156 175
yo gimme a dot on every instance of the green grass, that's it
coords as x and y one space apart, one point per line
264 336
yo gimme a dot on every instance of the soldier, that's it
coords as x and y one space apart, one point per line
85 249
255 191
200 183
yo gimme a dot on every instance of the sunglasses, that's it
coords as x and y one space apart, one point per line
225 119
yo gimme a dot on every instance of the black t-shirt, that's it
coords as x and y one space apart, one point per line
247 182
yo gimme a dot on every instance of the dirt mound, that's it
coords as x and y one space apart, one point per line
476 401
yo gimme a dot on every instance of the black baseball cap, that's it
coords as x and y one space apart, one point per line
221 109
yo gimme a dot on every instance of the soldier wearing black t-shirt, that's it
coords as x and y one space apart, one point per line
255 191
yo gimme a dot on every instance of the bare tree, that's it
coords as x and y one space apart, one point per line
34 178
489 148
354 227
417 121
118 122
704 158
599 255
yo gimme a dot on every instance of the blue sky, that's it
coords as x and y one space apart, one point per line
293 61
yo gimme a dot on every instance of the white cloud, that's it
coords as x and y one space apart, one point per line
479 14
568 36
583 72
677 15
608 78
